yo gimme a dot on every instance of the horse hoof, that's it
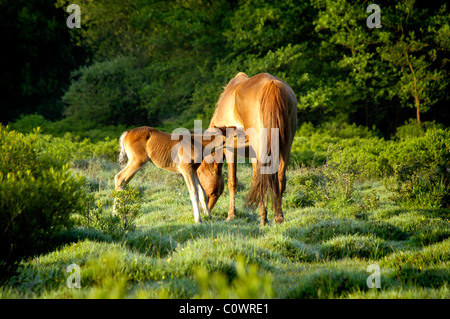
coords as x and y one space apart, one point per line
278 219
231 217
264 223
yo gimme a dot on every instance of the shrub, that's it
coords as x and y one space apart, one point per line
69 149
27 123
109 92
371 200
305 188
410 129
341 180
37 195
358 148
115 224
346 131
421 166
322 185
127 206
75 129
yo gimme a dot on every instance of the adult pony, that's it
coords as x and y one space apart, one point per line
252 105
142 144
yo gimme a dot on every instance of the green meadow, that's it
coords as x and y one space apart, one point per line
340 218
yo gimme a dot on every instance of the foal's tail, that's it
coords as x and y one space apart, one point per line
123 158
274 114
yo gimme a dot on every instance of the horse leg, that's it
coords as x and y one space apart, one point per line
189 176
262 207
278 212
202 195
124 176
232 182
263 214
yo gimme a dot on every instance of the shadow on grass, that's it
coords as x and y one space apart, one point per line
328 229
164 239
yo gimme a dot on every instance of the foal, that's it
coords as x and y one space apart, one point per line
145 143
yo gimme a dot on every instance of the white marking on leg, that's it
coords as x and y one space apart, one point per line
194 200
193 195
202 196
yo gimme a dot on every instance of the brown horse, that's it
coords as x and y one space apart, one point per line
252 105
142 144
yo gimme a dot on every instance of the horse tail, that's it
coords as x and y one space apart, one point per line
123 158
274 114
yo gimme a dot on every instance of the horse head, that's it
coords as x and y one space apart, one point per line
210 176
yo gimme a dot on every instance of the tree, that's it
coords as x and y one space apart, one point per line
171 43
402 62
422 39
37 57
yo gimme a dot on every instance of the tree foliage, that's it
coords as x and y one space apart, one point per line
402 63
37 57
164 63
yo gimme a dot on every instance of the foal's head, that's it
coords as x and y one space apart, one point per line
210 176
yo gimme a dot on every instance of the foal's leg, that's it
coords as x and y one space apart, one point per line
232 181
125 175
189 175
202 195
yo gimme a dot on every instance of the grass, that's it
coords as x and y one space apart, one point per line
320 251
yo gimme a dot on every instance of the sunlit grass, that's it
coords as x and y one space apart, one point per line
319 252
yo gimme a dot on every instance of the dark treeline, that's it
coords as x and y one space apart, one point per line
164 63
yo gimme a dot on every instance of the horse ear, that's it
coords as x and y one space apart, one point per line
241 74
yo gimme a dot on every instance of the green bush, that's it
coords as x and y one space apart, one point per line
421 166
411 129
70 149
109 92
69 127
37 195
356 147
319 186
68 140
27 123
305 188
346 131
360 149
127 206
415 167
114 223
